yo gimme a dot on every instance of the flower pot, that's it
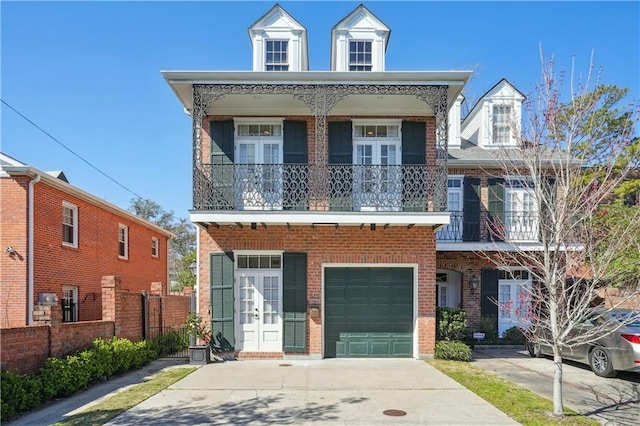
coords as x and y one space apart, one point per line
199 354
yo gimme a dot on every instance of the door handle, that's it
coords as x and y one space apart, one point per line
257 314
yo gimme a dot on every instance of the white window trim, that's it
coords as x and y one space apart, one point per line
74 208
266 64
348 53
126 241
513 118
237 253
155 245
74 291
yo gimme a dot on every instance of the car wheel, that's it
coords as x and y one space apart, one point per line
534 349
600 363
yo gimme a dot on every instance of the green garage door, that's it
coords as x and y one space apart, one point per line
368 312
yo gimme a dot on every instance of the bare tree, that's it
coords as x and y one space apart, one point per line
570 158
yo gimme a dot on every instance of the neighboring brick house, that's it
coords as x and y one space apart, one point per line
58 241
324 224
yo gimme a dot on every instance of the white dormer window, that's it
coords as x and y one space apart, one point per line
276 55
501 127
360 55
359 42
279 42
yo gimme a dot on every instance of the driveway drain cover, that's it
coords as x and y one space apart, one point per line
394 413
284 365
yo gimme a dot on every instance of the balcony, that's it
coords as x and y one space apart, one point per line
319 188
510 226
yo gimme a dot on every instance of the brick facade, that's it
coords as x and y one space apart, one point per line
329 245
57 265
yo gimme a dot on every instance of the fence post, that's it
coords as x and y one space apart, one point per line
112 302
145 314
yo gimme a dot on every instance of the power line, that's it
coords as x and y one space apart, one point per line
69 149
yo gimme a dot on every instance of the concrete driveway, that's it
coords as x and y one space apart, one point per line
609 401
351 391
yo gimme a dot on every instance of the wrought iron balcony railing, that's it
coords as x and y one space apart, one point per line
510 226
346 187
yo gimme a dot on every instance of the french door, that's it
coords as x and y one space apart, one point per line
259 174
521 217
377 177
259 308
513 304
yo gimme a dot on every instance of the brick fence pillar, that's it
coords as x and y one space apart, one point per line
157 288
111 301
47 314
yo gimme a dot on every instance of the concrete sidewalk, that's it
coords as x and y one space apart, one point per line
344 391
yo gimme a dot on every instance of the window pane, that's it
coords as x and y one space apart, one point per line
253 262
275 262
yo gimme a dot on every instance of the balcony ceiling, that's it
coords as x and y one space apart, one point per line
285 104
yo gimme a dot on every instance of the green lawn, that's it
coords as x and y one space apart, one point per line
519 403
117 404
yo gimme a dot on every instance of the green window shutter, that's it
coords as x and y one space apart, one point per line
294 290
222 142
414 142
414 185
340 152
545 223
496 209
488 295
471 210
294 141
221 293
222 148
295 177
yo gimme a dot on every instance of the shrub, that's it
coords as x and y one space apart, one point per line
452 323
513 336
171 342
67 375
454 351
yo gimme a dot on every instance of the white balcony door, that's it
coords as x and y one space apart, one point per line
453 231
259 310
521 218
378 184
259 174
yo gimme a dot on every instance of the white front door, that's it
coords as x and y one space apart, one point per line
259 310
512 304
377 176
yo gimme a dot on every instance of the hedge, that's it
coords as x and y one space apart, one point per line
64 376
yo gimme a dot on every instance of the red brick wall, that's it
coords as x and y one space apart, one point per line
57 265
394 245
13 269
131 310
67 338
25 349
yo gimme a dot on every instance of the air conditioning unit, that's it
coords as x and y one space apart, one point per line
48 299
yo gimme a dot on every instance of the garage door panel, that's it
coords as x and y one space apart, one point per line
368 312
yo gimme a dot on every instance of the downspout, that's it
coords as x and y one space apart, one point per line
30 258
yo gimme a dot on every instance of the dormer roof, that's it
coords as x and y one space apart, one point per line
278 20
360 20
496 89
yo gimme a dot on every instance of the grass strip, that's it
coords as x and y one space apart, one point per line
120 402
522 405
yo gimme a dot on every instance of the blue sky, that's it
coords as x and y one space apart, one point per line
89 72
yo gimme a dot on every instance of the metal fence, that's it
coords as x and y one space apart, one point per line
172 342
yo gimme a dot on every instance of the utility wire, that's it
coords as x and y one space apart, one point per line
69 149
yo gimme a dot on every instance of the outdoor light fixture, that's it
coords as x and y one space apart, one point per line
474 281
194 268
10 250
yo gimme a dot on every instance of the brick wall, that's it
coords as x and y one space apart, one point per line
57 265
13 269
350 245
25 349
